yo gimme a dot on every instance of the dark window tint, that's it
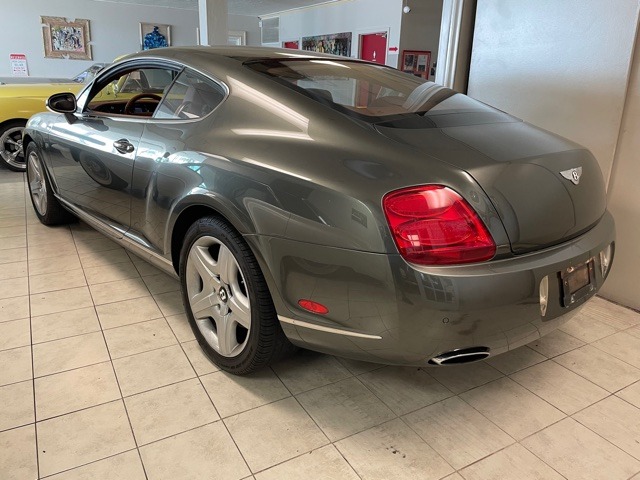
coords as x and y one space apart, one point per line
191 96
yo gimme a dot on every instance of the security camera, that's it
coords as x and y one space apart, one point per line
406 9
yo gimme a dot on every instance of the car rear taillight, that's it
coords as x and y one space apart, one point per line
433 225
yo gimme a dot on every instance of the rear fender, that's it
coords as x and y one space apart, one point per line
208 200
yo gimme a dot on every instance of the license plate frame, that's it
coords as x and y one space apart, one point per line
577 282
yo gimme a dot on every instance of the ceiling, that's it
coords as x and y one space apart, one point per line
254 8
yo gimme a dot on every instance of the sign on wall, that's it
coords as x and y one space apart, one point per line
19 67
416 62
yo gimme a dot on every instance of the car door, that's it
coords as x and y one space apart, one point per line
170 159
92 157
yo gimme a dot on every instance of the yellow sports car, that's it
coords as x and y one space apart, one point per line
18 102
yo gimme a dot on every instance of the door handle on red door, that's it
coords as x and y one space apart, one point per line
123 146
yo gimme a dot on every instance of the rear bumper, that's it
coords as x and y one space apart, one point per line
381 309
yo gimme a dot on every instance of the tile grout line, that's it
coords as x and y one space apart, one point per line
459 471
205 390
594 383
87 333
85 464
103 361
607 440
399 417
553 359
314 422
477 411
113 369
572 416
33 369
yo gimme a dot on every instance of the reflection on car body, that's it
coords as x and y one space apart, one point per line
327 203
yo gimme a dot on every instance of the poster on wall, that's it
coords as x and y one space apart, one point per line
154 35
65 39
336 44
19 66
416 62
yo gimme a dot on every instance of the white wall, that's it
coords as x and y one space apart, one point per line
567 67
420 28
114 31
623 285
356 16
560 64
248 24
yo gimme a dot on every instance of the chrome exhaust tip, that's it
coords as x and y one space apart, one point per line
462 355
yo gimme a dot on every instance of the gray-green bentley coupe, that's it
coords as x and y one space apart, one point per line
328 203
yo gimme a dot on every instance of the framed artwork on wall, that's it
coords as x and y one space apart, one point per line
64 39
416 62
154 35
335 43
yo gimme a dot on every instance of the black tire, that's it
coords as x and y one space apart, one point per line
11 143
265 341
49 212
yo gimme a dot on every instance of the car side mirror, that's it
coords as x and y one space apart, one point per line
63 103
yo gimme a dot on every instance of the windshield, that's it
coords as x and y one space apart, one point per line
362 89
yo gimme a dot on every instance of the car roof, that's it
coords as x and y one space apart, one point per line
241 54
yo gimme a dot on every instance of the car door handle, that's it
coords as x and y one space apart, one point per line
123 146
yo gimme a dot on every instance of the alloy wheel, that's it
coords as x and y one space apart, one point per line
11 145
218 296
37 183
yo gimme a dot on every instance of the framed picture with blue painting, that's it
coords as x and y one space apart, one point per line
154 35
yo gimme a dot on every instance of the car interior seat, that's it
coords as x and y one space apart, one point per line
200 99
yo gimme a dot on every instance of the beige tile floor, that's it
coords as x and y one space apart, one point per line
100 378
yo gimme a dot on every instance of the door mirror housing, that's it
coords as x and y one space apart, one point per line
63 103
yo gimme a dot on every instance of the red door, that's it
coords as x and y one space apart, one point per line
373 47
292 44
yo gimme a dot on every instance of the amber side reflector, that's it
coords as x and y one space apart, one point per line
313 307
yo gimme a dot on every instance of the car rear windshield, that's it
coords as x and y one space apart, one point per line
368 91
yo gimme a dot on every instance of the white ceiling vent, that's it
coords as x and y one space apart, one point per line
271 30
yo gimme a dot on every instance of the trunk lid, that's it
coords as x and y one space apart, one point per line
519 166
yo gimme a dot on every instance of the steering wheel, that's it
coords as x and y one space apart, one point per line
128 108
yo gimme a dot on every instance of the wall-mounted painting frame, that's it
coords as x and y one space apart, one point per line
335 43
416 62
65 39
151 38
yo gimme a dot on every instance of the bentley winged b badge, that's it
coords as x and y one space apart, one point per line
573 175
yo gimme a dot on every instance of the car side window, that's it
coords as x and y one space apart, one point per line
136 92
191 96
